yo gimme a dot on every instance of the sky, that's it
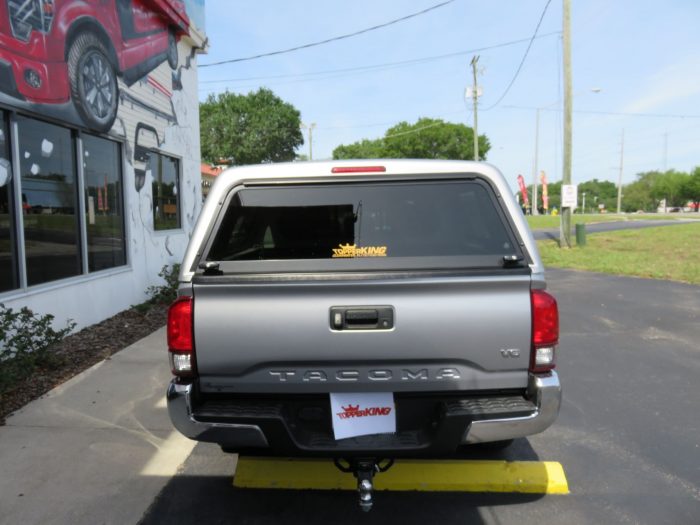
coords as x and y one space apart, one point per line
635 63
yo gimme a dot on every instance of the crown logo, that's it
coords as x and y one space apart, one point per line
351 409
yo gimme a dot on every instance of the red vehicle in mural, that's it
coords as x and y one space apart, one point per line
55 51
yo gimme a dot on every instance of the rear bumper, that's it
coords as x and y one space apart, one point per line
545 392
268 428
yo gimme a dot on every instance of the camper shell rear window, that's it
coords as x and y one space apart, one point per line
361 225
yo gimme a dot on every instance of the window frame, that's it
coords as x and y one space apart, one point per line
374 264
17 219
12 204
81 174
179 226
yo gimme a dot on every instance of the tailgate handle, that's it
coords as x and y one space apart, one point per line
362 317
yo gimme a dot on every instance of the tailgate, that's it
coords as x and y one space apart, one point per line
448 334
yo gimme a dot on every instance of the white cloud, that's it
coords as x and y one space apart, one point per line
673 83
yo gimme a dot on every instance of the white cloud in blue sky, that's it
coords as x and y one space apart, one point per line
643 55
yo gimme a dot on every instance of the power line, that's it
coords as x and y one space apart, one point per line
329 40
383 65
517 72
628 114
410 131
613 113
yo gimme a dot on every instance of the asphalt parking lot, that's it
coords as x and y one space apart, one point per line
601 227
628 435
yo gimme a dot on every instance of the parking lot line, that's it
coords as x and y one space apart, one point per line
536 477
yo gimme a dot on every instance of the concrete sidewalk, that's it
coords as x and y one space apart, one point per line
97 449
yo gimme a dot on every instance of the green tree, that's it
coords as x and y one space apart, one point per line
691 188
669 185
640 195
598 192
249 129
637 196
365 149
554 195
426 139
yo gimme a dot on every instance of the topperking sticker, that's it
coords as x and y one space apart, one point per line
363 414
349 251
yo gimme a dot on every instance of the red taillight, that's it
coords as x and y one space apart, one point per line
180 336
358 169
545 331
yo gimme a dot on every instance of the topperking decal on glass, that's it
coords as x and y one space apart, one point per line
363 414
349 251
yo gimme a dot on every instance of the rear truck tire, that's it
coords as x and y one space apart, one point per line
93 82
172 50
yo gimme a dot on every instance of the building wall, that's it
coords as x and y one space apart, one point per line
157 116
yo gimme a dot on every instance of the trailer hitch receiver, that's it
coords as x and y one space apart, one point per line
364 470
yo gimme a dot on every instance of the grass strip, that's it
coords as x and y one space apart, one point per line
666 252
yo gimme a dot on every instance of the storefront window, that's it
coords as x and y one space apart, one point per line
8 252
166 182
49 201
104 205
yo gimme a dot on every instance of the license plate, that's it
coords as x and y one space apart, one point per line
363 414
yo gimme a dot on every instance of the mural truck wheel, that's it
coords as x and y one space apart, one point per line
172 50
93 82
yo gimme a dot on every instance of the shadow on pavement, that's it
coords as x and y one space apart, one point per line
194 496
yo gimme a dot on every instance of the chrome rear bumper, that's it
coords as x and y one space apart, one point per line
233 435
544 391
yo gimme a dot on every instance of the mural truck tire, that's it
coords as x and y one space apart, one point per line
172 50
93 82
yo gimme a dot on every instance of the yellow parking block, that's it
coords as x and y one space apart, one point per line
537 477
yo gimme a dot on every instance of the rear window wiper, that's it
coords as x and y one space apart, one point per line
210 268
512 261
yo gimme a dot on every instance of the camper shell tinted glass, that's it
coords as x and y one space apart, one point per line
382 225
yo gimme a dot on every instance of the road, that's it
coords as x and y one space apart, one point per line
553 233
628 435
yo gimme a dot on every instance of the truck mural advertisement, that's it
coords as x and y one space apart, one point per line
110 66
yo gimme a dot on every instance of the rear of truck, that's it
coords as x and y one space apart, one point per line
416 279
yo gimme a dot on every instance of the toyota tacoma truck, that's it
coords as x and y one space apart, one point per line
362 311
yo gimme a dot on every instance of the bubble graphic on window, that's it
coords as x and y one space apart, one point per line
87 154
27 154
35 169
5 172
46 148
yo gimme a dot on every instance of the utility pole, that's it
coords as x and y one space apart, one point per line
475 96
535 211
565 233
310 127
311 140
619 177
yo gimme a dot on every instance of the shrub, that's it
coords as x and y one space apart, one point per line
167 293
25 343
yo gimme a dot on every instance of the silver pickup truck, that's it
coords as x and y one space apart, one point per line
362 311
